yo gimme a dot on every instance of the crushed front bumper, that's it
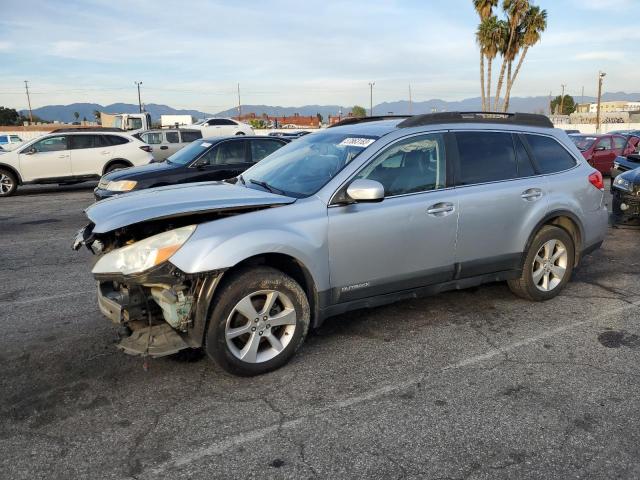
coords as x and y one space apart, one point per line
626 207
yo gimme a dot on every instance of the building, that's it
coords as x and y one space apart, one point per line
616 106
291 121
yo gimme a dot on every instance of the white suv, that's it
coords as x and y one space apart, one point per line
67 157
222 127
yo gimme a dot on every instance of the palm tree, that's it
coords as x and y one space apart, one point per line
485 11
489 37
516 10
533 24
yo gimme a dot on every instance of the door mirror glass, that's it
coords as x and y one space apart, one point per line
30 151
363 190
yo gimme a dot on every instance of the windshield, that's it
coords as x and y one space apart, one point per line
188 154
583 142
304 166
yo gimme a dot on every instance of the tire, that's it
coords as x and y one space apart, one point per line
249 290
116 166
8 183
554 245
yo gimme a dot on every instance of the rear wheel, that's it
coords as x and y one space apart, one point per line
548 265
261 317
8 183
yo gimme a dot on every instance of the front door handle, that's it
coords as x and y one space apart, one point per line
440 209
164 147
532 194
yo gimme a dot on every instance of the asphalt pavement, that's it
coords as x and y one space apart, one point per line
473 384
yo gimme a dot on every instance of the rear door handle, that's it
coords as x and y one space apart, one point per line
441 209
164 147
531 194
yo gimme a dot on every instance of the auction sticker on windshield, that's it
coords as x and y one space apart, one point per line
357 142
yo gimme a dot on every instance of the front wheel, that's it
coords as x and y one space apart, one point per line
548 265
8 183
261 317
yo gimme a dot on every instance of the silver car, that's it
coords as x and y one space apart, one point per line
167 141
365 213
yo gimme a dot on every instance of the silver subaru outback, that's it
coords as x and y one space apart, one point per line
365 213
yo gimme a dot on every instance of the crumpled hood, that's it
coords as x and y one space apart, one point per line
175 201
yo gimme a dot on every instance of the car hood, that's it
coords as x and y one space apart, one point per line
141 171
632 175
176 201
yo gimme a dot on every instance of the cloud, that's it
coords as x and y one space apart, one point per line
4 46
609 55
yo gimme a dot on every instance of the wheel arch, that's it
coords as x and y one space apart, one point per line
12 170
114 161
282 262
566 220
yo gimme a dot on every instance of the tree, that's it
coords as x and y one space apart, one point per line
76 115
9 116
358 111
511 38
485 12
568 105
319 116
534 23
489 36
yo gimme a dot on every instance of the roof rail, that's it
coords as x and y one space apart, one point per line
530 119
87 129
354 120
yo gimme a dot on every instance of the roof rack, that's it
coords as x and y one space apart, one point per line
87 129
354 120
530 119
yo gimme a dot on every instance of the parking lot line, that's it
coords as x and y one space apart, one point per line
246 437
43 299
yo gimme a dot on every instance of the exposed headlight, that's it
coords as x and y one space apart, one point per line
616 165
623 184
121 185
142 255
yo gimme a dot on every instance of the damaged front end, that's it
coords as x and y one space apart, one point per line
626 198
133 236
156 307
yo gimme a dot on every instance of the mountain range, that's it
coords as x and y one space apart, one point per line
65 113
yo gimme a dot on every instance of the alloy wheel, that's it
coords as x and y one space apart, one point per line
6 184
550 265
260 326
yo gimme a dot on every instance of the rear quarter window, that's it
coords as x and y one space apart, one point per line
116 140
188 137
550 156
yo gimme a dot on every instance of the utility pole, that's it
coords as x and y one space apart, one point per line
601 76
550 108
26 86
582 96
410 103
139 100
371 84
562 100
239 103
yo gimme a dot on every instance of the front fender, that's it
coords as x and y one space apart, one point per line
298 230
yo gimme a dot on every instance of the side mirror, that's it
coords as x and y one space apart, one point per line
31 151
363 190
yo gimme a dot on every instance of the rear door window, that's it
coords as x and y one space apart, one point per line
485 157
549 155
172 137
152 138
525 168
188 137
81 142
604 143
262 148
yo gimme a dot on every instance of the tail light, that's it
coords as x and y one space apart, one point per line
146 148
595 179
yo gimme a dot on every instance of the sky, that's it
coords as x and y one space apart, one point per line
293 53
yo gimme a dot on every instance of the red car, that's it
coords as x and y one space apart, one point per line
601 150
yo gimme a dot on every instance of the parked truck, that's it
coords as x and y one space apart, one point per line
175 120
129 122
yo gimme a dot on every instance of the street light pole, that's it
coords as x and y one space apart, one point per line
371 84
139 100
601 76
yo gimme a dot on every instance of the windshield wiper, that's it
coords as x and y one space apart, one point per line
266 186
